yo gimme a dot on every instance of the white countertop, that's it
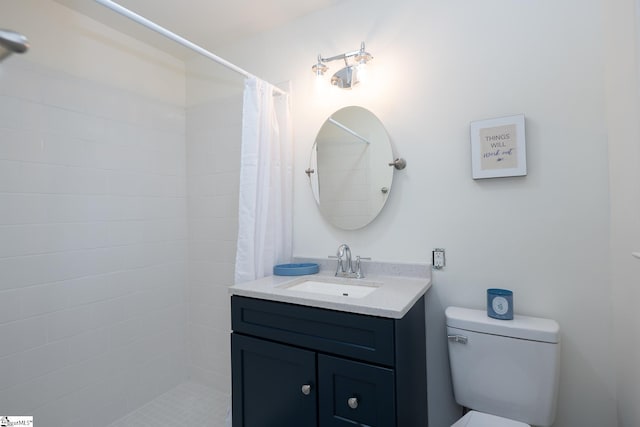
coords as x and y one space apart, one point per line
393 298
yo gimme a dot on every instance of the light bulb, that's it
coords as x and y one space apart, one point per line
320 84
363 72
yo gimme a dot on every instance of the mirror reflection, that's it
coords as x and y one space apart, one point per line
349 168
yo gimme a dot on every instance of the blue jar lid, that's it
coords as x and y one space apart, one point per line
296 269
499 292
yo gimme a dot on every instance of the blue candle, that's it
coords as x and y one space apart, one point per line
500 304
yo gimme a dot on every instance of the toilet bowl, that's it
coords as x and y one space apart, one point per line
480 419
505 371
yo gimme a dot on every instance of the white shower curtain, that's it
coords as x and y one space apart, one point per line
265 208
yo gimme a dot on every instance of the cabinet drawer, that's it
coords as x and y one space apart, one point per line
353 335
355 393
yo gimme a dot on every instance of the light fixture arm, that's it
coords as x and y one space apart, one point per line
346 55
348 76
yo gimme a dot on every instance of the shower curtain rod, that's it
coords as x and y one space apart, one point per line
176 38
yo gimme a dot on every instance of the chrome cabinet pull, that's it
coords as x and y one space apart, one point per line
352 402
306 389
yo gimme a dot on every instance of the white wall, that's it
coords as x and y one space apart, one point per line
214 118
76 45
623 114
438 66
92 220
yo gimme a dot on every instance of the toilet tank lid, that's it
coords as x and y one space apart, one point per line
523 327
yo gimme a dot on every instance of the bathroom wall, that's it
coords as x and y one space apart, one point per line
214 120
623 112
437 66
93 222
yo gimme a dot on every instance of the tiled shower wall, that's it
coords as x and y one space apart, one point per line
213 159
93 232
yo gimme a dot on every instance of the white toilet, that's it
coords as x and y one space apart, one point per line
505 371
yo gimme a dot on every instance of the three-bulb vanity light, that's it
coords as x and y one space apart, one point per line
348 76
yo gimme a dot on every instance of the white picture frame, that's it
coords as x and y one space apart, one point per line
498 147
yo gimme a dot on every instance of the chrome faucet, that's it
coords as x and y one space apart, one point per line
345 265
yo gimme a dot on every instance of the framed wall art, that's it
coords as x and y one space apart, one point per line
498 147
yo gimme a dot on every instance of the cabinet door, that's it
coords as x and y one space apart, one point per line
268 384
355 393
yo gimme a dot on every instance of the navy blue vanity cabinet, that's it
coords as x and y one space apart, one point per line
298 366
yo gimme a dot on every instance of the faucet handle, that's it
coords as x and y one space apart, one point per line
359 273
340 266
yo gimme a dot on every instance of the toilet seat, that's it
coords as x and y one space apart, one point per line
480 419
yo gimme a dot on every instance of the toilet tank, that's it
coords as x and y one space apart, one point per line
508 368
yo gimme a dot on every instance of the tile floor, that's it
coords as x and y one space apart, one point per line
189 404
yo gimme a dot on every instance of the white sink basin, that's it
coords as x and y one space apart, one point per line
336 288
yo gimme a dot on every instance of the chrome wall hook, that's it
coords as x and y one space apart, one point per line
399 163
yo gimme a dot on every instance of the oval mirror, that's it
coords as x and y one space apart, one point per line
349 168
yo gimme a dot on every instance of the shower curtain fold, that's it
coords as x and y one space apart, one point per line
265 202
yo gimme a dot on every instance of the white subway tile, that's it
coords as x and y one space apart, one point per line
16 113
10 371
19 399
20 144
122 183
10 302
113 208
201 314
20 177
59 412
123 333
72 124
200 157
203 343
166 118
164 229
52 267
67 323
25 81
64 93
18 240
22 209
27 396
87 345
34 239
44 359
43 299
75 180
125 232
106 313
107 156
65 150
66 207
214 184
222 251
22 335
